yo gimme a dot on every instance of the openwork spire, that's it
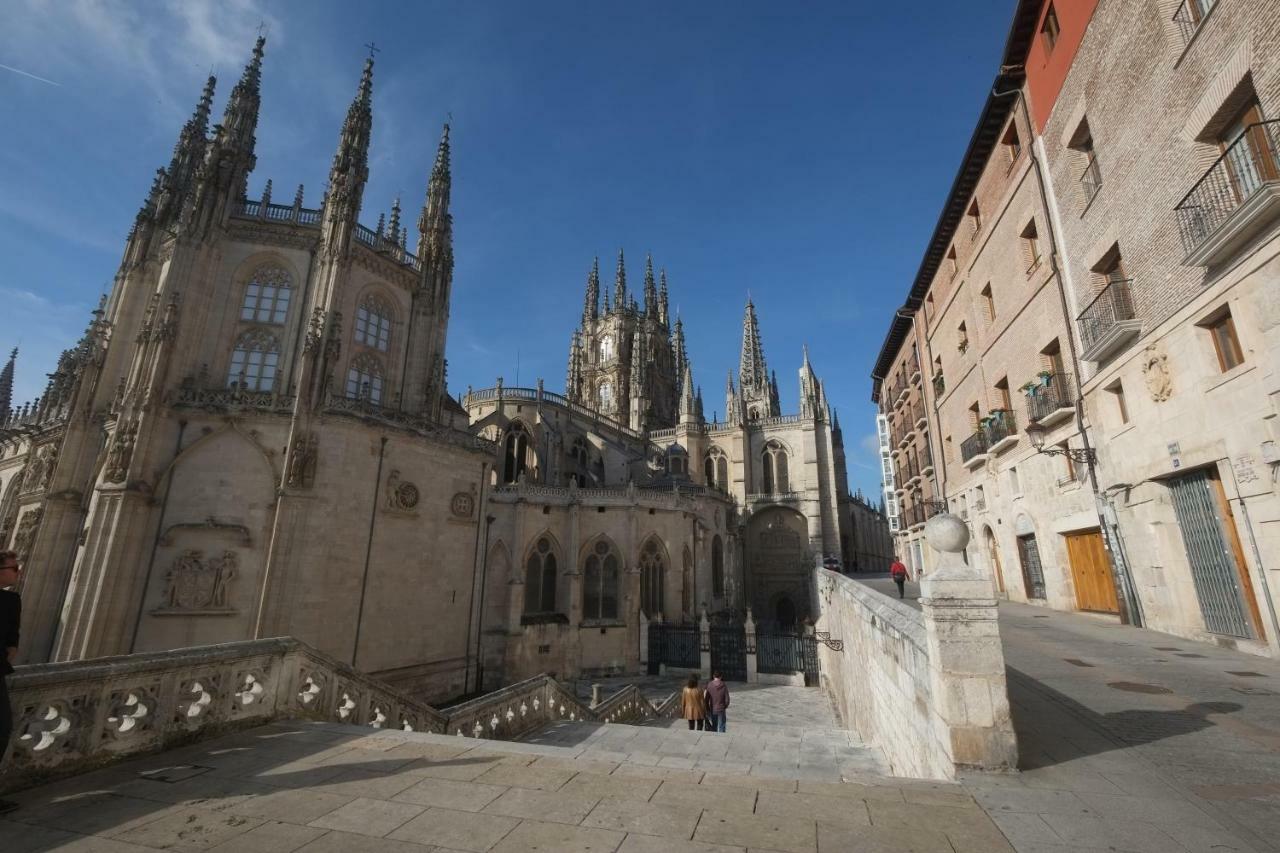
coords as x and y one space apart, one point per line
650 288
678 354
350 169
393 229
688 394
620 283
752 371
662 297
6 385
435 224
240 118
591 303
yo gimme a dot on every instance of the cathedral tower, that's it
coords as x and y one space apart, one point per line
758 390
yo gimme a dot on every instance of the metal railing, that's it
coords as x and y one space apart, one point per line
1113 304
1091 179
1057 392
1190 15
974 445
1001 424
939 384
1245 166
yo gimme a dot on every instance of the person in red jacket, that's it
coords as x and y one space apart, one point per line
900 576
717 703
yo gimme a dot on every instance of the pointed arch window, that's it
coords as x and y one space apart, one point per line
606 397
716 469
601 576
774 464
717 567
606 349
653 570
365 379
254 362
540 578
373 323
515 453
266 296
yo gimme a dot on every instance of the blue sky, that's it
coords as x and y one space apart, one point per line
801 157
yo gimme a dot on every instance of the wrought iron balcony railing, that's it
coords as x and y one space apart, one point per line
1248 164
1001 424
1057 392
974 445
1091 179
1113 305
1189 16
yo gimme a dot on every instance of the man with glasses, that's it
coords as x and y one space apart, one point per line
10 616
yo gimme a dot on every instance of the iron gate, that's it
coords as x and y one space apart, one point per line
1032 573
1213 568
785 654
674 645
729 652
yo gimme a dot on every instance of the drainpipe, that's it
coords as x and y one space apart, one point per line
1130 606
471 613
368 550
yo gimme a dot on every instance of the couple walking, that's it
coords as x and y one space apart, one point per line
705 708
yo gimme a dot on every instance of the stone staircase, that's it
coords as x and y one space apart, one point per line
568 786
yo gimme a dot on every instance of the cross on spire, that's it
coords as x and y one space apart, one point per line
373 48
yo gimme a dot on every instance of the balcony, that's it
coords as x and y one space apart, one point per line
915 368
1109 323
926 461
939 384
1235 200
1001 429
1053 400
1090 180
1190 14
973 450
917 412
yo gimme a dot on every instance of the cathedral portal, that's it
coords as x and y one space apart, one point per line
779 568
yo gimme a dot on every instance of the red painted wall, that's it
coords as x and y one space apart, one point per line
1047 71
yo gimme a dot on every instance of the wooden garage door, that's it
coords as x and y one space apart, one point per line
1095 588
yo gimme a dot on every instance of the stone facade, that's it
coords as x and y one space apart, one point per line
1100 273
257 372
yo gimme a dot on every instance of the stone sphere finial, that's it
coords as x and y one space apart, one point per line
947 533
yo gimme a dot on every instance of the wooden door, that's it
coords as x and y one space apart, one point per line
1237 553
993 551
1091 571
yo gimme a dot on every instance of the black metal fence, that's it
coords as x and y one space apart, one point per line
674 645
1248 163
1057 392
1112 305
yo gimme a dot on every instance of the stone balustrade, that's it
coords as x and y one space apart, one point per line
927 687
71 717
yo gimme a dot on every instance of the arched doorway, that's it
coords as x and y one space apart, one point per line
778 563
993 554
785 613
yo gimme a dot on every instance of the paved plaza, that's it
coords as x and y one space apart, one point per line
1130 740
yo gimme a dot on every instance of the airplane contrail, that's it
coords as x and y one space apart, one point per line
29 74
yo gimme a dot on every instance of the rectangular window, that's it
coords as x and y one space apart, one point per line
974 417
1031 246
1222 329
989 304
1249 151
1087 160
1116 390
1012 144
1049 30
975 217
1014 486
952 263
1002 394
962 338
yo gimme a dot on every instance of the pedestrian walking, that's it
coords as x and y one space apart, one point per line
10 616
693 706
717 703
900 576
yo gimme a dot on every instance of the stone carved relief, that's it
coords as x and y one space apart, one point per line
1155 371
463 505
195 585
25 537
402 495
40 470
120 453
302 462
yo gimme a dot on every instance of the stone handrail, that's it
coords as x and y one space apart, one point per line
622 496
71 717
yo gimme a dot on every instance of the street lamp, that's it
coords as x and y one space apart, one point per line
1036 434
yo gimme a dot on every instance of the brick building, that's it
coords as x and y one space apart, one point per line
1097 273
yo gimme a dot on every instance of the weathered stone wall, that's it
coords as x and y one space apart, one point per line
880 682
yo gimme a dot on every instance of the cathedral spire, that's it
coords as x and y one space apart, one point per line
350 169
751 370
650 288
677 347
435 223
591 304
662 297
6 385
688 395
620 284
239 124
393 229
732 402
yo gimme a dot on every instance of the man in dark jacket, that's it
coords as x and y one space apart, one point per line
10 616
717 703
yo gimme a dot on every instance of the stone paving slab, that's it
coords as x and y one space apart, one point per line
557 800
